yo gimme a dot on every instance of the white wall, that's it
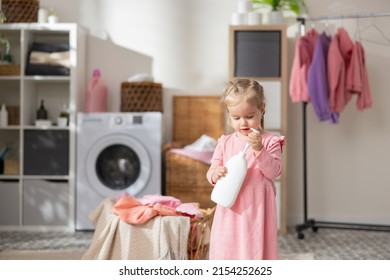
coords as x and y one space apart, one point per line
347 163
184 45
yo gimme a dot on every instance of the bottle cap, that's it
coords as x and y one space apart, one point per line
96 73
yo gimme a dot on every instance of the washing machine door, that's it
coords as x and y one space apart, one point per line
117 163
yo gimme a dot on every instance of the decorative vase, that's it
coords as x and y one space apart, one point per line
275 17
254 18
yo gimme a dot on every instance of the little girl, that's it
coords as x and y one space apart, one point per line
247 230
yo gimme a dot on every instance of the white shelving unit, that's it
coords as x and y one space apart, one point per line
37 190
260 52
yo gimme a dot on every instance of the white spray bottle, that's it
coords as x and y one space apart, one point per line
227 188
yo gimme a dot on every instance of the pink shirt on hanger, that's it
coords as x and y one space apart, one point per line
357 78
339 59
304 50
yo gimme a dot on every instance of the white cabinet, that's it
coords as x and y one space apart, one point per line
37 177
260 52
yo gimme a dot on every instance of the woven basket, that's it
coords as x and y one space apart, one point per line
13 115
185 179
197 115
20 10
199 237
141 97
11 167
193 116
9 69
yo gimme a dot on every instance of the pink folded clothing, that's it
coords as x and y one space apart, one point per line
131 211
138 211
203 156
189 209
151 199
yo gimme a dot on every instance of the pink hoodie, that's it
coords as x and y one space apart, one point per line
339 59
357 78
304 50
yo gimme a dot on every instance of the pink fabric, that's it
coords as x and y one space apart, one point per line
357 78
189 209
151 199
203 156
248 230
131 211
304 50
339 59
138 211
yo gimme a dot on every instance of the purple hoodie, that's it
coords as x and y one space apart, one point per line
317 81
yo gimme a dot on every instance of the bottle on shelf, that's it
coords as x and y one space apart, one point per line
96 95
42 112
3 116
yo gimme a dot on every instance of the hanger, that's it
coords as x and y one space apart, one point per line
377 28
357 35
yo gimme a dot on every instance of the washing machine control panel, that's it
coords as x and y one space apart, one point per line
118 120
121 121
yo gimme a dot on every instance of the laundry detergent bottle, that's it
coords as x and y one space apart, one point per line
227 188
96 95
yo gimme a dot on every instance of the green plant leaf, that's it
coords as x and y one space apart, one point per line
279 5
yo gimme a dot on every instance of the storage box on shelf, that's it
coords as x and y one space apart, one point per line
20 10
38 184
9 69
141 97
193 116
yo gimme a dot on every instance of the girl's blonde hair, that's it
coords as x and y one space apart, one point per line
247 90
243 90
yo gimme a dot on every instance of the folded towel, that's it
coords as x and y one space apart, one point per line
54 58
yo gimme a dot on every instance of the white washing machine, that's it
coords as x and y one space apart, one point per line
116 152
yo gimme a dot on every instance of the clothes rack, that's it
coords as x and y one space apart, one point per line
312 223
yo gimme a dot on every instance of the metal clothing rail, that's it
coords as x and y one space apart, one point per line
349 16
312 223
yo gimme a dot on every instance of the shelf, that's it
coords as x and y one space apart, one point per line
9 177
15 78
47 177
43 157
47 78
10 127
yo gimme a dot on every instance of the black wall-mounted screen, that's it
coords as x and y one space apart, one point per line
257 53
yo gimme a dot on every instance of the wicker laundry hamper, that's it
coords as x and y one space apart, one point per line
199 237
185 177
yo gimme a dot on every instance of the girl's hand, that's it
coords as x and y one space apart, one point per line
255 141
219 172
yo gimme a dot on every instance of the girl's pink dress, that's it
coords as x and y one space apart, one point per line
248 230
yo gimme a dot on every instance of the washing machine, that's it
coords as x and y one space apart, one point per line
116 152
